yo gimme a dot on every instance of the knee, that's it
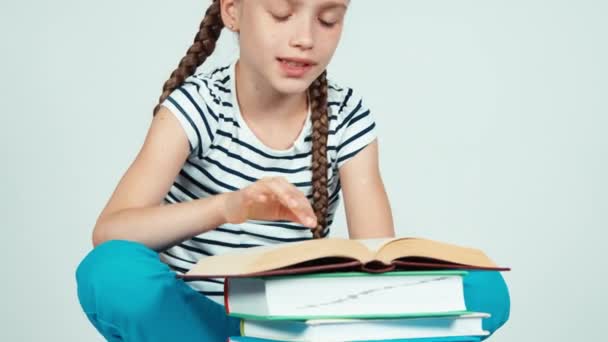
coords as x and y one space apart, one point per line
108 260
487 291
116 278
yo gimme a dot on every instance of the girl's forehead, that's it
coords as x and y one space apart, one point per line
322 4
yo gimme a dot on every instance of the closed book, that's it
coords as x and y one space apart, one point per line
432 339
333 254
346 295
370 329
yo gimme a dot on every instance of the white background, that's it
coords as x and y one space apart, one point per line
491 114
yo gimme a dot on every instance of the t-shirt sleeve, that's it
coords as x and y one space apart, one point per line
356 127
196 118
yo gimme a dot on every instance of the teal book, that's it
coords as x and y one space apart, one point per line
361 295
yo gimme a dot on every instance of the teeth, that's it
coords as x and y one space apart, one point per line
290 63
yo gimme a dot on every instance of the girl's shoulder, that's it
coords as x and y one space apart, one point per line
203 105
343 100
217 74
214 86
351 121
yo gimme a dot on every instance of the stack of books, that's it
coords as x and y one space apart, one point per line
401 289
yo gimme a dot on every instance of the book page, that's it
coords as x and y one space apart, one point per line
374 245
267 258
426 248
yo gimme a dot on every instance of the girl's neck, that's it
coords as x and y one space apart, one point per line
261 103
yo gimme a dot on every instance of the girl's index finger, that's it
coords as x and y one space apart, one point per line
301 204
293 201
297 195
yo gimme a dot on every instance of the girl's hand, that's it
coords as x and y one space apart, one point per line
270 198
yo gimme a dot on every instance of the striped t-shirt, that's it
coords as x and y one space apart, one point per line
225 155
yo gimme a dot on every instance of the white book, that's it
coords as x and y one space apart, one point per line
375 329
346 295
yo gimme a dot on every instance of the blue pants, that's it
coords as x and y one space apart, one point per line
128 294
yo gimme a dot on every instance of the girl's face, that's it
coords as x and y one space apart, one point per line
272 30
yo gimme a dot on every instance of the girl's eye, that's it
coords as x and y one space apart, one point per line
284 18
281 18
326 24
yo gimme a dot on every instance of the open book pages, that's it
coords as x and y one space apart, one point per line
337 253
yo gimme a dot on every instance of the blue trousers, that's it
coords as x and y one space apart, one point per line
129 294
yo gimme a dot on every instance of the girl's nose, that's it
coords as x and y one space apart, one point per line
302 34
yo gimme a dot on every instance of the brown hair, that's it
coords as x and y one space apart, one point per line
203 46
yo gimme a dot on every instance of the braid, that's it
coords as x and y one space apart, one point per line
320 126
203 46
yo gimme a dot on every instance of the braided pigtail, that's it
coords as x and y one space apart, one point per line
320 127
203 46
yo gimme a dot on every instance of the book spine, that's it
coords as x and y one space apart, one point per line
377 267
226 295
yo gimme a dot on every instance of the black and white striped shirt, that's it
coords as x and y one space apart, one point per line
225 155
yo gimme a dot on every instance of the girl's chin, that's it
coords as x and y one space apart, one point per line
293 86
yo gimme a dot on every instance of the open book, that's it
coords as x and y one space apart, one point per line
331 254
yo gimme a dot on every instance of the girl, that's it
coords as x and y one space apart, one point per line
252 153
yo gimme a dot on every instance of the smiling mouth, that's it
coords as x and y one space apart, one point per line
294 63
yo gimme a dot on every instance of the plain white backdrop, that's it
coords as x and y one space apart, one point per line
492 117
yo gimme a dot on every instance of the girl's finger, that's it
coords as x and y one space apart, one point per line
290 201
302 201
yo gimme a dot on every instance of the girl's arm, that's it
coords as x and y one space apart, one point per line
134 211
368 212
